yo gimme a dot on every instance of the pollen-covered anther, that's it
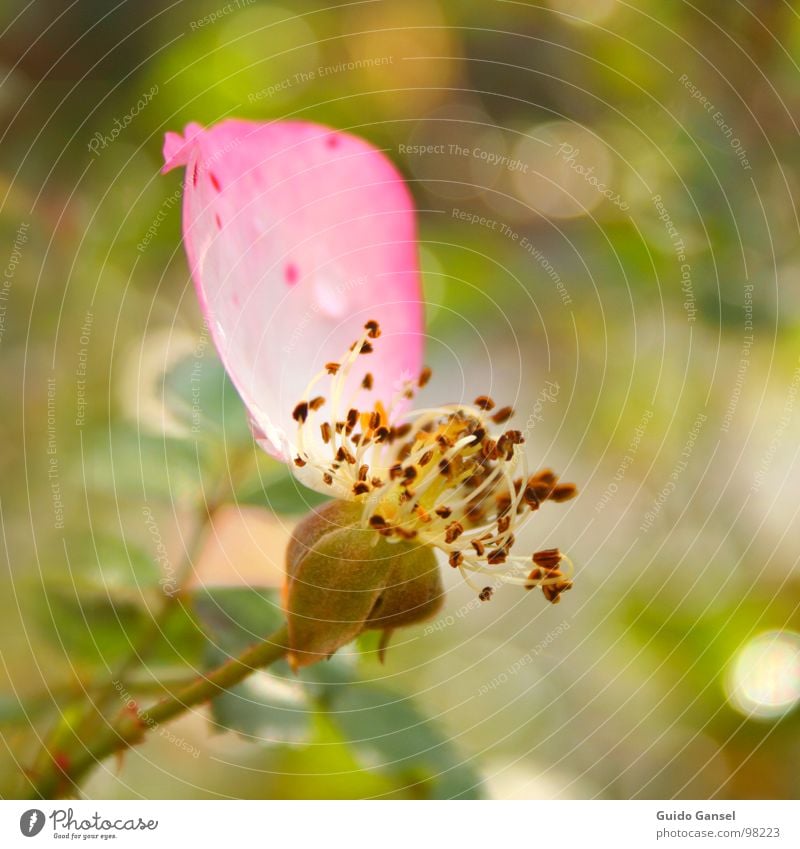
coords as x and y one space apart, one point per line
373 329
548 559
496 557
503 415
299 462
368 381
332 368
486 594
453 531
300 412
360 488
424 377
316 403
563 492
484 402
456 559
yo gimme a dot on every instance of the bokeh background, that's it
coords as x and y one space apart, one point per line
609 236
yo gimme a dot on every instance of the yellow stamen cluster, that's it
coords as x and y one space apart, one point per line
437 476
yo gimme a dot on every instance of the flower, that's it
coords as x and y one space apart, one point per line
295 234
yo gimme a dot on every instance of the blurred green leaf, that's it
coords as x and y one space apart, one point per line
271 706
199 393
99 631
284 495
392 735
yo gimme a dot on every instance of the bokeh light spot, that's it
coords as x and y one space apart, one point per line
764 679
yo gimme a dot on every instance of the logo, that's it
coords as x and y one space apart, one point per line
31 822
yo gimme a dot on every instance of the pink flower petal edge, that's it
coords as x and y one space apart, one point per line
296 235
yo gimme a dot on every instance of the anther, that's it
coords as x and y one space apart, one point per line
503 415
300 413
453 531
484 402
486 594
548 559
424 377
456 559
373 329
367 381
332 368
316 403
325 430
360 487
563 492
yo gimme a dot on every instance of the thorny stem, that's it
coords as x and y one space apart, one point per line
60 775
101 698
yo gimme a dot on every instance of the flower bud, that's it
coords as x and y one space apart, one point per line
343 577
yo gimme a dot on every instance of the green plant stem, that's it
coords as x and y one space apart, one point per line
60 776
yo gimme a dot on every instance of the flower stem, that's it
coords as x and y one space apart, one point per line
60 775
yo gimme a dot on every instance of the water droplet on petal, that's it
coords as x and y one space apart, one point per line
330 296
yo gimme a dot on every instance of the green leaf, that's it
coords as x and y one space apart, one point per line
272 705
199 393
98 631
283 495
123 462
394 736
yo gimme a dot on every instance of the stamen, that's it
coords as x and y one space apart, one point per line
503 415
469 486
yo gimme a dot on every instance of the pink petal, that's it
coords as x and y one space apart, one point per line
296 236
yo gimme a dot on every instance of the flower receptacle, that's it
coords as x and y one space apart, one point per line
343 577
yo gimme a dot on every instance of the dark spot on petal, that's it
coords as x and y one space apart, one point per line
218 220
292 274
214 181
194 175
332 141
